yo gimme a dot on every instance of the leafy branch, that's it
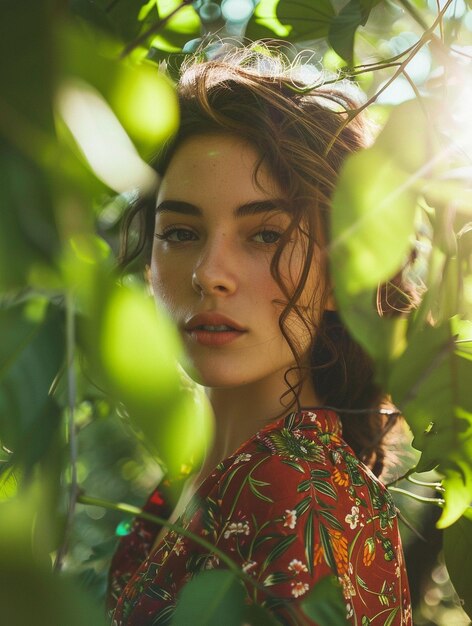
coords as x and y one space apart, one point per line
427 36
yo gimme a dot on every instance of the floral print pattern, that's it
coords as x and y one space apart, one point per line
292 505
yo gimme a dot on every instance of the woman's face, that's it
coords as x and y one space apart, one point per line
216 232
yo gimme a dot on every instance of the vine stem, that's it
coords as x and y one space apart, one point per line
414 496
136 511
426 37
423 483
153 29
71 401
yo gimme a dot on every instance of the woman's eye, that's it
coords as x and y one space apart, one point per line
177 235
267 236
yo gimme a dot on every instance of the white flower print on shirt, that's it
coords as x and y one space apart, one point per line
290 518
353 518
237 528
299 588
297 566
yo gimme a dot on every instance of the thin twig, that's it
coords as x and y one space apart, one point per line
137 512
71 400
153 29
409 525
441 26
423 483
415 496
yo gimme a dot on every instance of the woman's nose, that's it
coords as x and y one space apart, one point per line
214 273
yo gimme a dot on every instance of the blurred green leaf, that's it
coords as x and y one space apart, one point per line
31 353
306 19
373 213
136 350
256 615
407 137
212 598
28 233
142 99
457 485
325 603
28 30
449 194
457 543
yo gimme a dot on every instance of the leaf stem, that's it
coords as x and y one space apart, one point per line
414 496
71 401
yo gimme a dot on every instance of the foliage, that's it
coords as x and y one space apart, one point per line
82 109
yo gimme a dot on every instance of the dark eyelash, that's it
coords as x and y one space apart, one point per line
166 234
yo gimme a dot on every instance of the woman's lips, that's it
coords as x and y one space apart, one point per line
213 329
214 338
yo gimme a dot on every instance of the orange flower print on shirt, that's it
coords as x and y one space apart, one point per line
339 545
340 478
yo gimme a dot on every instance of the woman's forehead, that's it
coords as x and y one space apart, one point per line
219 165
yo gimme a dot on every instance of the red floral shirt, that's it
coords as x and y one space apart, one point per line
292 505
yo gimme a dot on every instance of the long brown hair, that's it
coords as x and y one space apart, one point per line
260 98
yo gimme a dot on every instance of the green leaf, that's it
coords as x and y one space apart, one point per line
430 383
326 488
28 232
308 534
306 19
31 353
343 28
327 549
457 483
457 544
409 125
279 549
264 22
275 578
256 615
332 520
303 506
256 492
211 598
372 222
325 603
27 31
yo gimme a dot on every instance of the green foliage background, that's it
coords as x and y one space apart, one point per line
82 108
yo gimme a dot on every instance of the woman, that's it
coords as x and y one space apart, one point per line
239 239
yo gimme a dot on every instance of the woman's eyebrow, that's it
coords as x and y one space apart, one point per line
247 209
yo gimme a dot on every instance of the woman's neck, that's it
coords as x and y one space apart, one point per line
241 412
